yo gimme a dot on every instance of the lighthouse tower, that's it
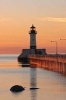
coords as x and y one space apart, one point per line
24 56
33 37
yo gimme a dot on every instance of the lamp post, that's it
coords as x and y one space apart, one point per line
56 46
56 66
62 39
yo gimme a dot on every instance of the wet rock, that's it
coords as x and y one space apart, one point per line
17 88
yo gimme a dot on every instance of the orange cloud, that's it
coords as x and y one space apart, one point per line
53 19
4 19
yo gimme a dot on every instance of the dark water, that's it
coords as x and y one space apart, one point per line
52 86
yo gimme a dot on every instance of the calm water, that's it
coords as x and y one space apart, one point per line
52 86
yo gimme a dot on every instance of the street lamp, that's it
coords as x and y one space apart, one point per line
62 39
56 46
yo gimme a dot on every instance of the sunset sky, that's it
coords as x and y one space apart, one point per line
17 16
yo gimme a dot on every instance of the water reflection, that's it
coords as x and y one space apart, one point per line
33 83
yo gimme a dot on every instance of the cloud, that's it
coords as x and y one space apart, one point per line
53 19
4 19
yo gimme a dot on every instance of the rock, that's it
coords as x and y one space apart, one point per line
17 88
33 88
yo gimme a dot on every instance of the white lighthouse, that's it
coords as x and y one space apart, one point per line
24 56
32 37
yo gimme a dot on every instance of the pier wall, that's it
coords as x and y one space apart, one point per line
55 63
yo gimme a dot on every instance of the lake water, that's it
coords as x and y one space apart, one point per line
52 86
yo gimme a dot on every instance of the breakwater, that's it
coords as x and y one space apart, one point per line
51 62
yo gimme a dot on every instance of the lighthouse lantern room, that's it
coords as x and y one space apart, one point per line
32 37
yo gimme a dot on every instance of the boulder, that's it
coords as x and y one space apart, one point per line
17 88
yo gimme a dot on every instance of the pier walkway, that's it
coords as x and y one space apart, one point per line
51 62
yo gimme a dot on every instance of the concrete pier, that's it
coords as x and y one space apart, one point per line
52 62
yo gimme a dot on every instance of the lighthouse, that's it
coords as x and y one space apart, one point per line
33 37
24 56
